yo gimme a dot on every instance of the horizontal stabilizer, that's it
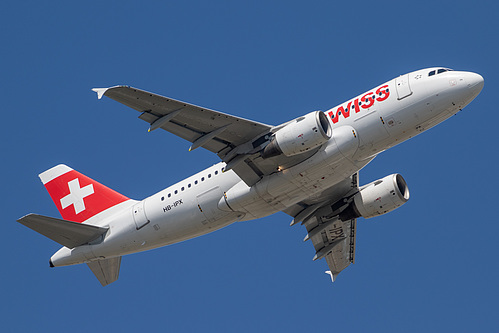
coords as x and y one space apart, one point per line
107 270
67 233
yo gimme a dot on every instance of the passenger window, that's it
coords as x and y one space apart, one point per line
216 172
195 182
182 188
431 73
189 186
209 175
169 195
176 191
202 179
162 198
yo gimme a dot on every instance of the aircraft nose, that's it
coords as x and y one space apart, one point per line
475 82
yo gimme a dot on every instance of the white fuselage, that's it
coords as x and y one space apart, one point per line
211 199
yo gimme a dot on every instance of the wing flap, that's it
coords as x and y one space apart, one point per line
106 271
67 233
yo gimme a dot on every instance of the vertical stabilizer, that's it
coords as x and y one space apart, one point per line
77 196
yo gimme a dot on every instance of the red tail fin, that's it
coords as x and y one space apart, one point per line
76 196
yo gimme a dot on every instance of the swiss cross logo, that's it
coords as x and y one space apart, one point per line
76 196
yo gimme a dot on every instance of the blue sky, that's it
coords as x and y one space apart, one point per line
430 265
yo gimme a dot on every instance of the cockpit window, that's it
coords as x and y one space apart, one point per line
441 70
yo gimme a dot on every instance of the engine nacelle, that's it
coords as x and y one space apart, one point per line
378 198
302 134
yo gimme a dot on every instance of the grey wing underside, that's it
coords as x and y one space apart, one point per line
187 121
237 141
332 238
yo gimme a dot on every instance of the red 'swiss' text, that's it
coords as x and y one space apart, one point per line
356 105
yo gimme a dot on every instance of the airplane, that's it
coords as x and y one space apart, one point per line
307 167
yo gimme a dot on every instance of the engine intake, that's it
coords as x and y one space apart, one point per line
378 198
300 135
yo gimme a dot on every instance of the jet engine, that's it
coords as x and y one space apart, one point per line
300 135
378 198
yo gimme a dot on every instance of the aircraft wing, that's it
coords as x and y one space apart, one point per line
332 238
341 241
237 141
187 121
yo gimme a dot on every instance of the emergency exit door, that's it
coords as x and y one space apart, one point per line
139 215
402 86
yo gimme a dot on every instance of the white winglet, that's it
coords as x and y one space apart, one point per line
331 274
100 92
